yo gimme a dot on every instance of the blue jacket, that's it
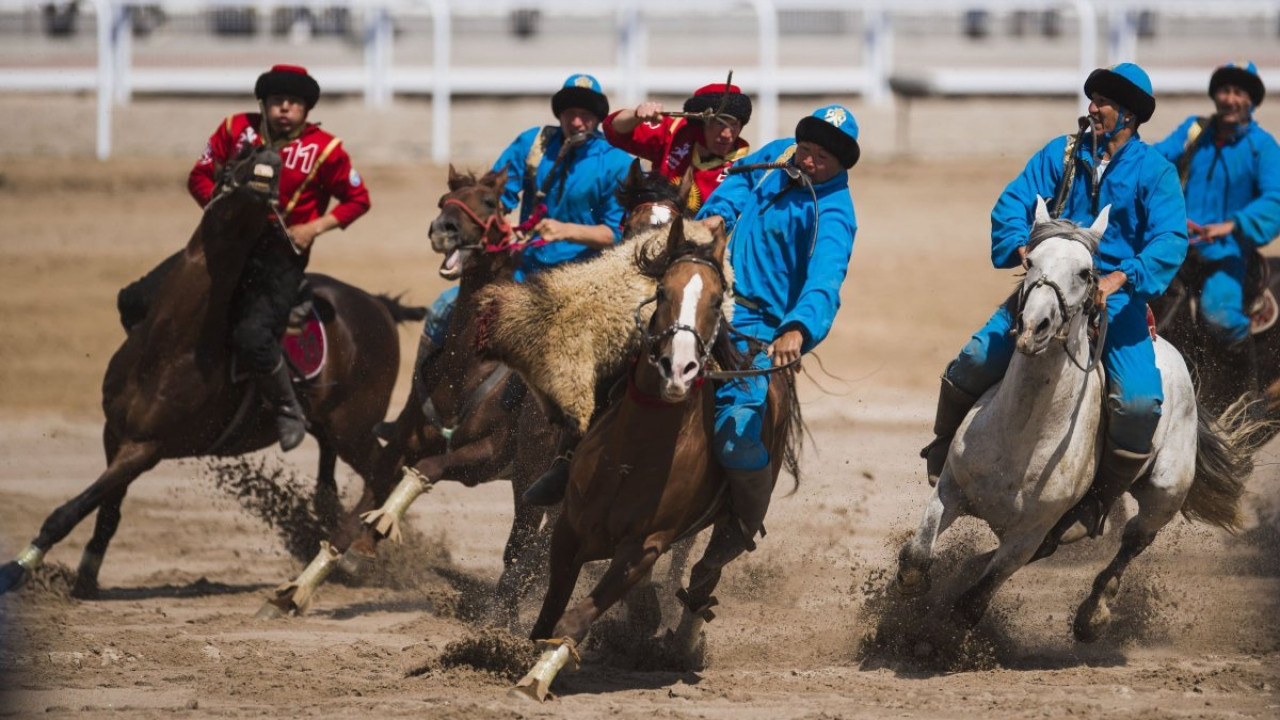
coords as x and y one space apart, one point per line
771 225
1239 181
1146 235
585 196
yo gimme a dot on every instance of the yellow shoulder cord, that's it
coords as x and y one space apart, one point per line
1068 176
1188 147
297 194
781 159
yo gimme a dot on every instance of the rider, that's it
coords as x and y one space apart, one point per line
563 178
315 169
1231 177
791 236
695 149
1106 164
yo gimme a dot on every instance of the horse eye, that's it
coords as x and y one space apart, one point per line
1030 264
490 203
1085 274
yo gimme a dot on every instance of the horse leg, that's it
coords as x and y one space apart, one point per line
129 462
1156 507
522 557
679 555
688 641
86 585
1014 552
565 566
326 504
916 556
644 612
631 563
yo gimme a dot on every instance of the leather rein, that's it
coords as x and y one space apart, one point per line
1069 314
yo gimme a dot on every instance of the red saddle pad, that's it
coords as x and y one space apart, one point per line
306 347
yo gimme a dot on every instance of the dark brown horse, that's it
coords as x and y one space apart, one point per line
643 476
1217 374
168 391
467 420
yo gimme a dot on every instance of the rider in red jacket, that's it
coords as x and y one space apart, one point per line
315 170
687 148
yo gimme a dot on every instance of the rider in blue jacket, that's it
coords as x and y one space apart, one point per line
1230 173
789 259
1141 251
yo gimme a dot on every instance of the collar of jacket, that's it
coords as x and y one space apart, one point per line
1084 150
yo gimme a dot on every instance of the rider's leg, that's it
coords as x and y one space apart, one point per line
267 288
1134 400
134 300
980 365
740 410
550 486
1222 308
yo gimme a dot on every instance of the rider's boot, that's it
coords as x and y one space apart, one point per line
549 488
428 351
1117 471
277 387
953 406
749 493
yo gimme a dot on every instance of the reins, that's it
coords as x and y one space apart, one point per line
1103 319
509 240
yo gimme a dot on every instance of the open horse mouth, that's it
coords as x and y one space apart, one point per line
451 268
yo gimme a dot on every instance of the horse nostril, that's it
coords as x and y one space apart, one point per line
690 369
1042 327
450 226
664 365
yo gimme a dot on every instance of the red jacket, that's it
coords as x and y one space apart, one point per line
671 145
314 162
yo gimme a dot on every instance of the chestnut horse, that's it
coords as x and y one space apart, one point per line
168 391
643 476
467 419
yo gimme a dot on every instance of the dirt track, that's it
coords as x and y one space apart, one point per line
174 631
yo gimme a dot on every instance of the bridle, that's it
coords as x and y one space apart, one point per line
1068 313
652 340
510 239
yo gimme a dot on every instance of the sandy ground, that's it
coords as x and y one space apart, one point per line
174 632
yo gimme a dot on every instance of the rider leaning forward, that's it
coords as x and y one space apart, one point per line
789 258
1141 251
315 170
1230 173
695 150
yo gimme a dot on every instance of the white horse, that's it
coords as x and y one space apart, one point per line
1028 449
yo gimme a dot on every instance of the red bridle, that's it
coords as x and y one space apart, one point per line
509 240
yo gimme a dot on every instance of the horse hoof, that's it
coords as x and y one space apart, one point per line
1089 627
910 583
353 563
12 577
85 588
271 611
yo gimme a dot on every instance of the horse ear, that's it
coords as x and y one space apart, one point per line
635 175
455 179
719 242
1099 225
675 238
495 179
1042 211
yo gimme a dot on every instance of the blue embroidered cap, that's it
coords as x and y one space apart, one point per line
835 130
1243 75
580 91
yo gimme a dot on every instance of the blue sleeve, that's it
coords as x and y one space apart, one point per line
1259 221
613 169
1153 267
733 195
816 306
1171 147
1012 215
513 161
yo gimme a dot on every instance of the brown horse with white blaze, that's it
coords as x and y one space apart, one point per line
644 475
168 391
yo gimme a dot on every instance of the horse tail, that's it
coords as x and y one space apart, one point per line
1224 459
401 313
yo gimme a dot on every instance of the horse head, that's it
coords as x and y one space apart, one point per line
254 170
471 218
688 316
649 200
1060 284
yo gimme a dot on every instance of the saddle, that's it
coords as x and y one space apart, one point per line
304 343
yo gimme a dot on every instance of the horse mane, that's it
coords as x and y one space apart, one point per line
652 188
1062 228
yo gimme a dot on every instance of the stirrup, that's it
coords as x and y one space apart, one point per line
550 487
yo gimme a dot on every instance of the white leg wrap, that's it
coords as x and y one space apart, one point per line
386 520
305 586
555 655
30 558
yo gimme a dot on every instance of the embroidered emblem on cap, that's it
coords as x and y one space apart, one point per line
836 116
582 81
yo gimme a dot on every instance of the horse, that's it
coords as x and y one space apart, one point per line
168 391
1027 451
1218 375
467 419
643 476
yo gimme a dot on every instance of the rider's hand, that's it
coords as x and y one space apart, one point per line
649 112
1195 232
1214 231
551 230
304 235
786 348
712 222
1109 284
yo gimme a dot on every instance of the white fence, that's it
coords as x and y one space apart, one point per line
634 74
